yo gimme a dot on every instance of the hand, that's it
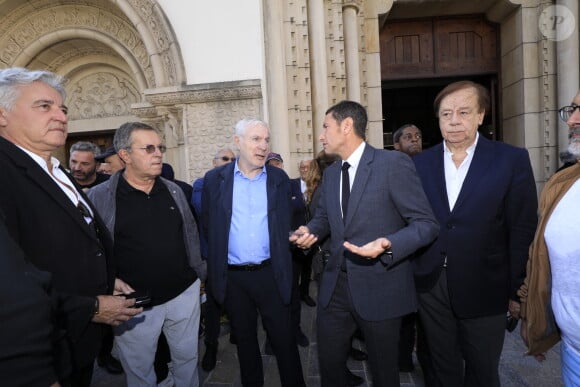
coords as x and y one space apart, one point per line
514 309
302 237
371 250
115 310
121 287
524 334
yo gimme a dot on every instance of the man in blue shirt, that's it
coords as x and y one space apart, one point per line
246 220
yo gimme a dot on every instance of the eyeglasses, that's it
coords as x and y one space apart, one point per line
567 111
410 136
225 158
151 148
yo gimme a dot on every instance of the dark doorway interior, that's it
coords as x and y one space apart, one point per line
411 102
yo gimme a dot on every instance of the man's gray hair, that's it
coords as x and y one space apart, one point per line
399 132
85 146
122 139
12 78
245 123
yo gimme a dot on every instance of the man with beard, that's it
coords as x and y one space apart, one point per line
83 165
550 305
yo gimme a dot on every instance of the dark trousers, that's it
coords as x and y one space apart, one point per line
212 314
295 307
336 324
305 274
80 377
250 292
452 341
412 332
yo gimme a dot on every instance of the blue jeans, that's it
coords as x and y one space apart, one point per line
570 366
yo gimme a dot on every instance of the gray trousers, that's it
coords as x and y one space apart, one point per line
136 340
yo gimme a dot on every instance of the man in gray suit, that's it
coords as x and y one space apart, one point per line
374 208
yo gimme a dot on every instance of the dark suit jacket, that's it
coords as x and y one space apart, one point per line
55 237
298 204
26 319
386 200
216 218
487 235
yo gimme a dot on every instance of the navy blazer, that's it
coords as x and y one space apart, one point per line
217 197
56 238
386 200
487 235
298 204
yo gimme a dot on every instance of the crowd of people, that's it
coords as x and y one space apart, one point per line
410 248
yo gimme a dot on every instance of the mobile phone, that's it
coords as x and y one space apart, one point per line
141 299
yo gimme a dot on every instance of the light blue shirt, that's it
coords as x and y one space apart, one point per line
249 240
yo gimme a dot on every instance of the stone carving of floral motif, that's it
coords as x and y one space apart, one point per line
101 95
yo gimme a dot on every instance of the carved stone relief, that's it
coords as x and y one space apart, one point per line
101 95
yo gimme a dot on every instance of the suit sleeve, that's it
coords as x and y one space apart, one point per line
409 198
521 211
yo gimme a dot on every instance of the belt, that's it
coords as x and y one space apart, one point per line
251 266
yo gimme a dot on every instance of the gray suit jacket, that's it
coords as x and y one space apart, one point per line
386 200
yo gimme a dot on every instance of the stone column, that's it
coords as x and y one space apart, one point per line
276 83
318 68
568 68
351 54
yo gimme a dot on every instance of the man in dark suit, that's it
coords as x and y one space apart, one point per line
484 197
52 220
374 208
28 332
246 219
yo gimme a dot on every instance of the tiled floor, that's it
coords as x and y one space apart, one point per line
515 368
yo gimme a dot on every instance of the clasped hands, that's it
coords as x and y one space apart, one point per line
115 310
302 238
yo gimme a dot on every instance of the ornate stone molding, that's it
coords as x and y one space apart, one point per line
227 91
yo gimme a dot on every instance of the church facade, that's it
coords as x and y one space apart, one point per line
194 68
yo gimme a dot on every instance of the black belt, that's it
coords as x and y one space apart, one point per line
251 266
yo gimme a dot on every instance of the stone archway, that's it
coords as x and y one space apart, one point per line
111 52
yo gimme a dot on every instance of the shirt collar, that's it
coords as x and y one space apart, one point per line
469 150
39 160
238 171
354 158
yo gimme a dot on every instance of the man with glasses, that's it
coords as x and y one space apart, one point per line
156 244
53 221
483 195
550 307
212 311
408 139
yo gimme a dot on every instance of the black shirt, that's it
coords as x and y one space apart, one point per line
101 177
149 247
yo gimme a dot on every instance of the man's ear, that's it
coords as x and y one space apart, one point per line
123 155
3 120
397 146
347 125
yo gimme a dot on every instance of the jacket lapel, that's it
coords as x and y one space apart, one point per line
481 163
226 190
39 177
440 188
360 181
